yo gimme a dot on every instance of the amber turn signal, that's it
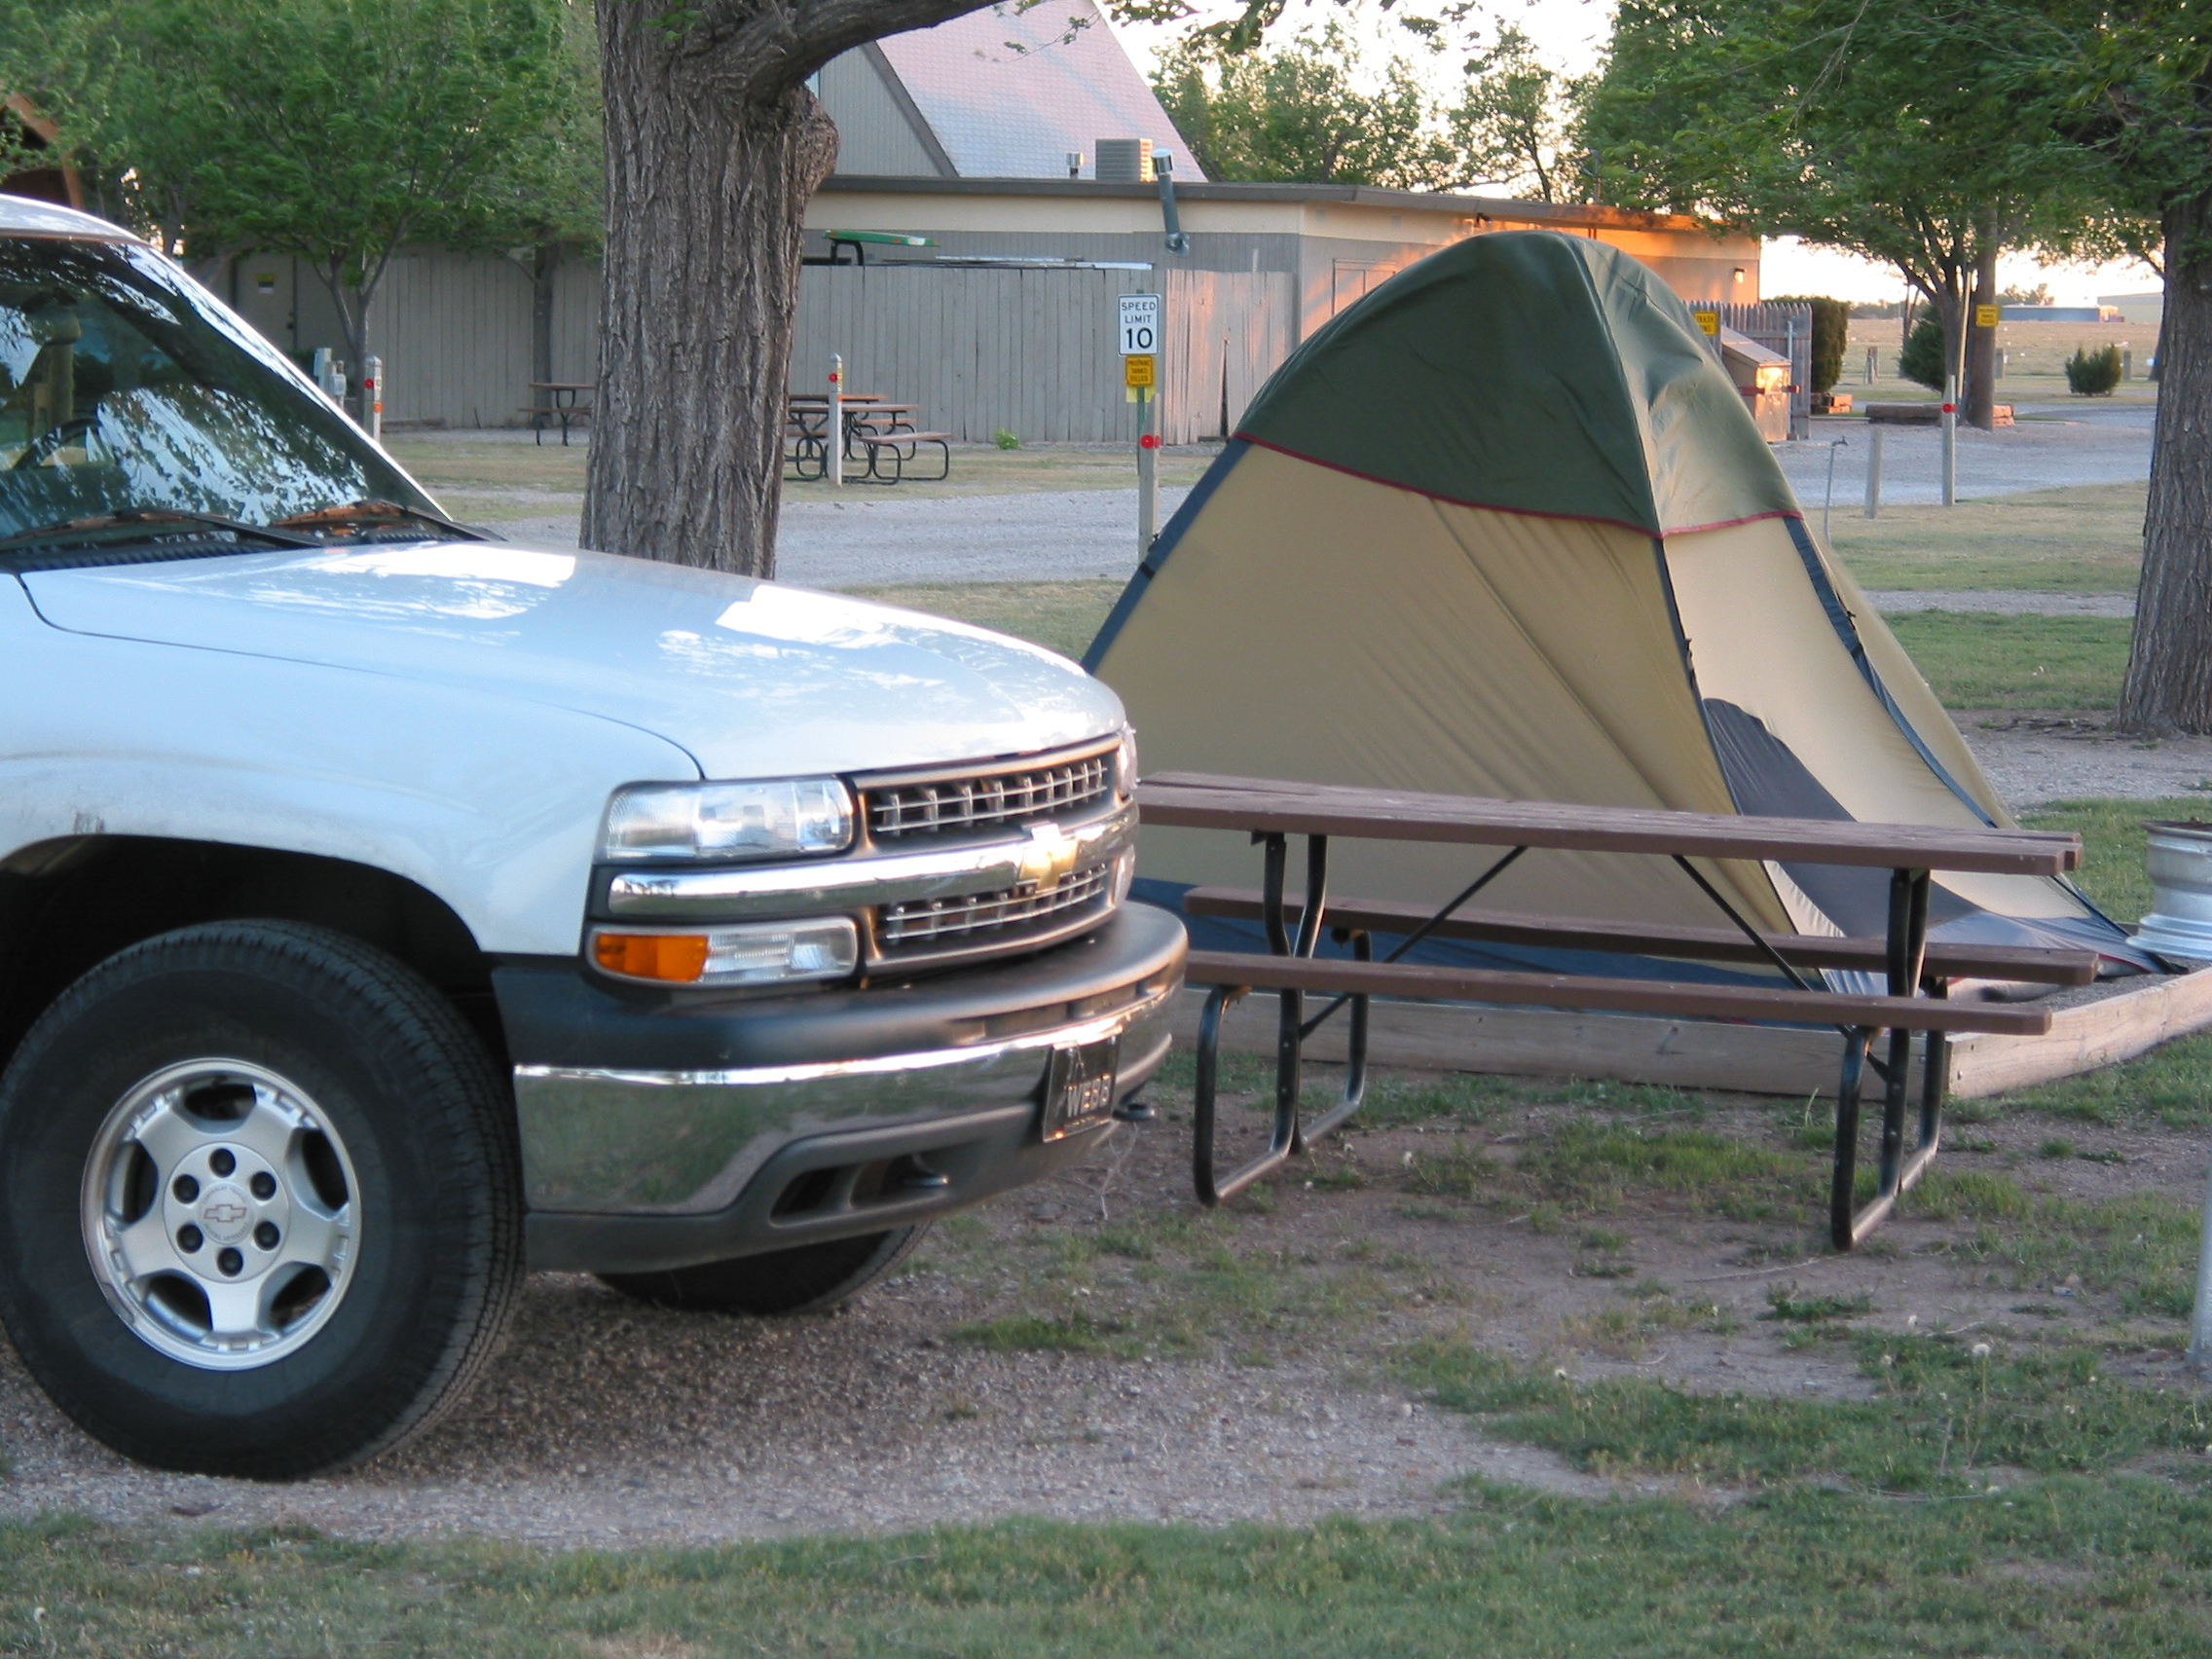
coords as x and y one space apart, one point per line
681 958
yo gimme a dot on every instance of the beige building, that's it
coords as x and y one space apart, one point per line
966 136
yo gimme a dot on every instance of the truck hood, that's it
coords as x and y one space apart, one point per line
753 678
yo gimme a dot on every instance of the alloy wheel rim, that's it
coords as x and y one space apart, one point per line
220 1215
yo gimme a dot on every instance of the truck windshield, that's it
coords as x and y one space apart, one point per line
120 388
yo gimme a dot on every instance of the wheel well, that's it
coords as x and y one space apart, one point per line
69 904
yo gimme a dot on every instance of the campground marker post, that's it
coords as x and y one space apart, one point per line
1950 440
1874 472
835 459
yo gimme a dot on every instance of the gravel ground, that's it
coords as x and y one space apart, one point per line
2054 446
611 1423
606 1423
2039 758
2008 602
1086 534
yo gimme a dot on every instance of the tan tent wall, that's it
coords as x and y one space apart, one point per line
1315 625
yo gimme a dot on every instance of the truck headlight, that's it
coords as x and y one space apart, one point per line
784 818
758 953
1126 764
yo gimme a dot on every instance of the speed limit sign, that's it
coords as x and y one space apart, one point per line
1141 324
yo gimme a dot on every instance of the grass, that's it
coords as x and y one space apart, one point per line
459 467
1984 660
2114 842
1061 617
2085 540
2059 1567
1944 1411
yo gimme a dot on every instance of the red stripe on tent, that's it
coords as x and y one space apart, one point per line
1518 512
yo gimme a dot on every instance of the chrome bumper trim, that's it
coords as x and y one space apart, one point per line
605 1141
1045 855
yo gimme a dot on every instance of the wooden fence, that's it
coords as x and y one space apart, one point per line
1034 351
1030 351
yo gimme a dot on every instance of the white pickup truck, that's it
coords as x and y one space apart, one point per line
387 910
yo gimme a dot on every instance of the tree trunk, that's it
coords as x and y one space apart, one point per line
1978 406
706 188
544 267
2169 670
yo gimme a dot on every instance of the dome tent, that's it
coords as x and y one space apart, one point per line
1504 528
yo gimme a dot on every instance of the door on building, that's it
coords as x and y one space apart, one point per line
266 296
1352 278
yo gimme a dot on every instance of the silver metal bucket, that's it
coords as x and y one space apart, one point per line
2180 922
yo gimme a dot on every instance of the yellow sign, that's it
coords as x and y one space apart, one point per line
1985 316
1138 371
1709 321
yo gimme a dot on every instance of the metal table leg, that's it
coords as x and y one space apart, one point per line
1908 965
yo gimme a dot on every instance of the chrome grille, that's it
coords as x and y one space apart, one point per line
987 800
969 920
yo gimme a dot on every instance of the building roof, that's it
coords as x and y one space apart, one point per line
1558 215
1009 93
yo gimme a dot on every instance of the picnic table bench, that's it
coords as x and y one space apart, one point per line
562 407
1917 976
882 432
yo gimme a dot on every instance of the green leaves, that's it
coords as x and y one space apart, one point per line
1304 113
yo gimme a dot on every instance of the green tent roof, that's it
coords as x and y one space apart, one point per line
1532 372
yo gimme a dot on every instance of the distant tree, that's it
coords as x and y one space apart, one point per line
1831 332
1304 112
1923 360
2131 88
1514 125
1876 125
334 130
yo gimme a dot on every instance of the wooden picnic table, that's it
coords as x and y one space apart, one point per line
563 407
1273 810
870 422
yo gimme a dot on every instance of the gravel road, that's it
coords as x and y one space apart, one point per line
2053 447
1086 535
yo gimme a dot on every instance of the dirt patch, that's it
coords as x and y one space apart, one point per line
1101 1348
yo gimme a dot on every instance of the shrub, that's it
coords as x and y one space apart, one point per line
1832 330
1005 439
2094 373
1922 358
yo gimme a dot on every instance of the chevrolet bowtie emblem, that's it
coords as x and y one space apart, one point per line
1050 858
224 1214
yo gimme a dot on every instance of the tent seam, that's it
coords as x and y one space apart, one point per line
1495 507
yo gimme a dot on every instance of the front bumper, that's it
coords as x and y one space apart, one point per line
661 1129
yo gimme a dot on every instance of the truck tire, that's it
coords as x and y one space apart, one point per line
260 1202
805 1280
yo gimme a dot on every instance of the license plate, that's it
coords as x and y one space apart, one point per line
1079 1090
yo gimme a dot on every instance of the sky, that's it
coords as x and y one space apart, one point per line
1570 35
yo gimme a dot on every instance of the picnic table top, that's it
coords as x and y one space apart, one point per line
564 385
1204 800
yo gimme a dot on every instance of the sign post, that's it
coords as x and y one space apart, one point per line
372 393
1140 376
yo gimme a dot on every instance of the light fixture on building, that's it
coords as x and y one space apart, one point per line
1074 163
1738 274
